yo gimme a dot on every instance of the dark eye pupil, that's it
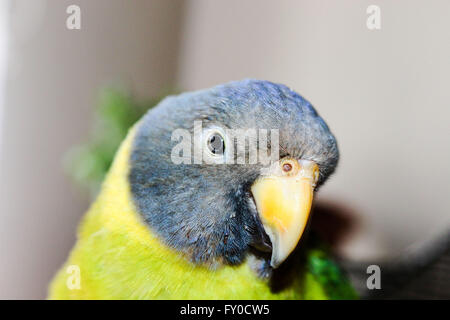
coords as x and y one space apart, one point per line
215 144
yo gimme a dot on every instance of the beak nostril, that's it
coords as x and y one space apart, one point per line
287 167
283 199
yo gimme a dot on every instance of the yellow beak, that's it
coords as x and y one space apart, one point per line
283 197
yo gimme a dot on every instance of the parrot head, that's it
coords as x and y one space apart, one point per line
225 210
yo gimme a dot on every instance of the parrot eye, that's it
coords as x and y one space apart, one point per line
216 144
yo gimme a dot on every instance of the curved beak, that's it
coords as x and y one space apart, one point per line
283 198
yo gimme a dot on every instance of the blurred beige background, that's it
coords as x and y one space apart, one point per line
384 93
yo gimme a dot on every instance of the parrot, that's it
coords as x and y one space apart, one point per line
204 221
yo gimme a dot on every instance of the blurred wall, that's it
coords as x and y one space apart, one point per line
384 93
53 80
4 42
